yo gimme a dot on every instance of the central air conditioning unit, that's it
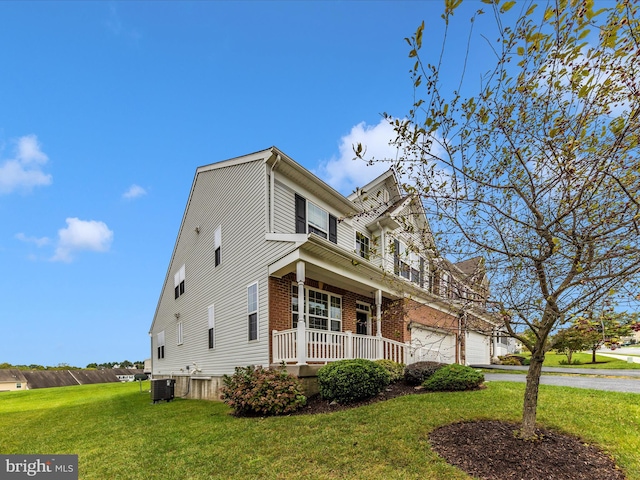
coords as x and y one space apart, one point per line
162 389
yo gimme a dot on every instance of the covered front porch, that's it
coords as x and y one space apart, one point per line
343 299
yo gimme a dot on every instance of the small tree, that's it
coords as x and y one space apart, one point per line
568 341
604 329
538 168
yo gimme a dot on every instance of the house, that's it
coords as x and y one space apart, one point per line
12 379
271 265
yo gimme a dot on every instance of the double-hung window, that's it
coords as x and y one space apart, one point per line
217 245
310 218
362 245
179 332
324 309
252 311
400 260
211 332
178 282
160 344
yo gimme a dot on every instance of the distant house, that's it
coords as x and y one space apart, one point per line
126 374
271 265
12 380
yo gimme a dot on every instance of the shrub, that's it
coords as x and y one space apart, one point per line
417 373
348 381
260 391
454 377
394 369
510 360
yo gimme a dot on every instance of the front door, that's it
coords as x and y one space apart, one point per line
362 321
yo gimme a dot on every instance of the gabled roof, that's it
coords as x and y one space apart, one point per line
388 177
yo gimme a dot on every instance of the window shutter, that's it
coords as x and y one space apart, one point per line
333 229
421 272
396 257
301 214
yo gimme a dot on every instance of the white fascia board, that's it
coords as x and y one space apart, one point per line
297 238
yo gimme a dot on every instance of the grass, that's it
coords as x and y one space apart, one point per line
119 434
584 359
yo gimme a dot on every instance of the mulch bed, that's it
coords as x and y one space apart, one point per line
490 450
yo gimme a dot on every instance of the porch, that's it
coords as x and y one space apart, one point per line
302 346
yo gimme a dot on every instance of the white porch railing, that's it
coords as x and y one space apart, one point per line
325 346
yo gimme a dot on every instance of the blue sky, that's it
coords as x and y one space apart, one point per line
107 108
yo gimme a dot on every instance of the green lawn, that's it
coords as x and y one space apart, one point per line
554 359
119 434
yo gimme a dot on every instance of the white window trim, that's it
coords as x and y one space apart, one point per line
251 312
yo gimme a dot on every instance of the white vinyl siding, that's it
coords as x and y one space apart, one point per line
224 286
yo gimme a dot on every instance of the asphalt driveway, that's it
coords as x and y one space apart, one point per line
596 379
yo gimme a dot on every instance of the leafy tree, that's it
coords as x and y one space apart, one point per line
604 328
536 168
568 341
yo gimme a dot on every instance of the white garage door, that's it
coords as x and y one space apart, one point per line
477 349
432 345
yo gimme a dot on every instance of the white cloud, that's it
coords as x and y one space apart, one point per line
39 242
344 173
25 170
134 191
82 235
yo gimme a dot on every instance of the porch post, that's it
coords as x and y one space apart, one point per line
301 333
379 313
379 324
495 343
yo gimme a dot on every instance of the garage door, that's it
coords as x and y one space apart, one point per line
432 345
477 349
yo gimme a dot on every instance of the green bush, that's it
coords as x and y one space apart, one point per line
417 373
454 377
394 369
347 381
511 360
260 391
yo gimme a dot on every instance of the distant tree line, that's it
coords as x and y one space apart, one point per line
66 366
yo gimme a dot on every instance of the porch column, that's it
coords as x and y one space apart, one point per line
301 333
379 324
379 313
496 331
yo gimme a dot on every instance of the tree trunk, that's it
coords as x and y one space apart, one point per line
529 411
593 355
569 356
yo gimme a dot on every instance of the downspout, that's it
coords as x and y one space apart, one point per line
272 193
